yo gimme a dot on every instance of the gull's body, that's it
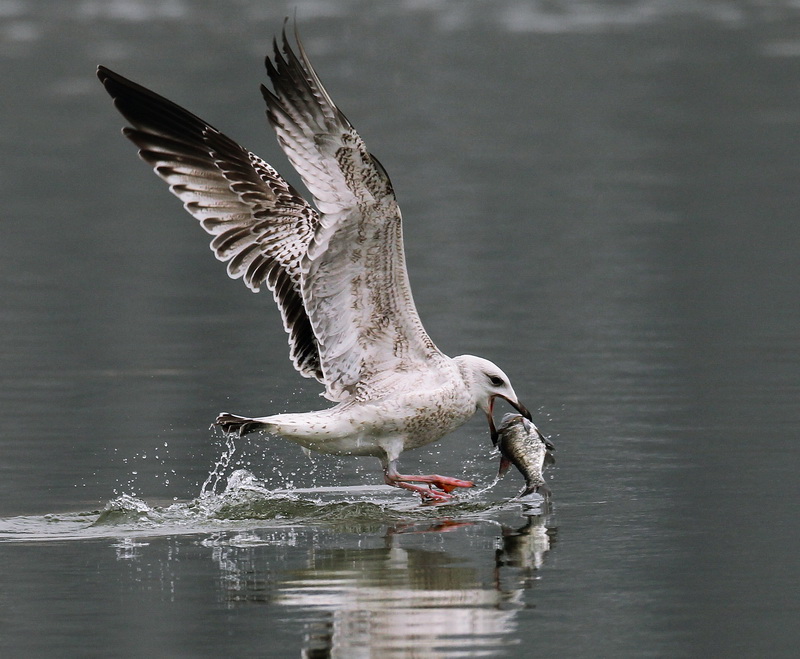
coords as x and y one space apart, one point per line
337 273
433 404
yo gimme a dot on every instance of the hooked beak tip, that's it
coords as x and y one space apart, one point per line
516 405
523 411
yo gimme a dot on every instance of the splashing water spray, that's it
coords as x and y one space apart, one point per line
216 474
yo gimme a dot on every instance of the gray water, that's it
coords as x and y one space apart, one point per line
601 197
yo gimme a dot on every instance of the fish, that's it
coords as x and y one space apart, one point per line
522 444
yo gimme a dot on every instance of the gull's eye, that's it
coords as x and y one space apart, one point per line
496 382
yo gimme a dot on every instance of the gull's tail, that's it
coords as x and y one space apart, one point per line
241 425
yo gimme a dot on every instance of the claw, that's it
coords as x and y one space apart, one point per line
426 493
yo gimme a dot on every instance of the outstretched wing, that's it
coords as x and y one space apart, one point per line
354 281
261 226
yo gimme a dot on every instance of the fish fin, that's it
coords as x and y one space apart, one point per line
549 458
505 463
547 443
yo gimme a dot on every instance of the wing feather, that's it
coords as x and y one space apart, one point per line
339 277
354 282
260 226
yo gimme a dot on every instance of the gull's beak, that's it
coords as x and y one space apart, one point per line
490 416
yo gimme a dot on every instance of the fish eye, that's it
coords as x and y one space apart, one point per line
496 381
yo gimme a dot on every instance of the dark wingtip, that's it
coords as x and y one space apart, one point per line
285 38
107 76
104 74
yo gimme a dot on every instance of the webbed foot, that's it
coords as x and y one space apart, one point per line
443 483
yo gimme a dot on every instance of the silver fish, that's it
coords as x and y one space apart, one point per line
522 445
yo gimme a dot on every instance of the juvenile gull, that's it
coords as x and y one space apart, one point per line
337 273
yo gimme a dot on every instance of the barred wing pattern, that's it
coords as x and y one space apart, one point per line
354 282
261 226
338 276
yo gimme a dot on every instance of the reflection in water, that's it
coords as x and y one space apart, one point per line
128 549
524 548
413 589
345 577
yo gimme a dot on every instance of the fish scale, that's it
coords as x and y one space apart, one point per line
521 444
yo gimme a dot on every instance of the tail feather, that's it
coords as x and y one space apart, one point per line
241 425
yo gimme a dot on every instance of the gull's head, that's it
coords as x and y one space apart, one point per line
487 383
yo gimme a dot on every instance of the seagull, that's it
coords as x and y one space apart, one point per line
336 269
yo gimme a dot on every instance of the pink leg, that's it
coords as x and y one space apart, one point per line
444 483
425 493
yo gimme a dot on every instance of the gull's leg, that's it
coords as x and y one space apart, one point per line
425 493
444 483
241 425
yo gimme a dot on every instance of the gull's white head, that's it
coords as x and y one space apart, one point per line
487 382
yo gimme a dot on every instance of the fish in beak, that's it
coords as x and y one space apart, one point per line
489 415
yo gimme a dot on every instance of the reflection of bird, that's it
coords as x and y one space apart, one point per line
396 601
337 273
419 592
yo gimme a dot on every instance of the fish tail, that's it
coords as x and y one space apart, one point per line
539 488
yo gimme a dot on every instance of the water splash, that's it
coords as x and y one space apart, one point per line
247 503
125 509
233 500
217 474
